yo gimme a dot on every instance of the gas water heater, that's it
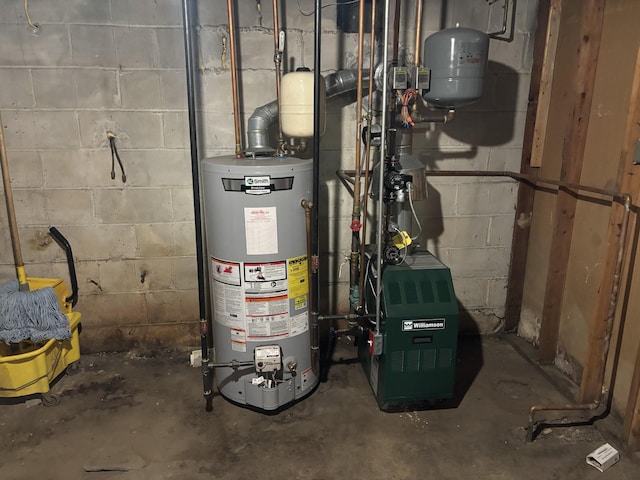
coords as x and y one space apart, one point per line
256 245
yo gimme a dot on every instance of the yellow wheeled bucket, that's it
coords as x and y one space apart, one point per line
28 368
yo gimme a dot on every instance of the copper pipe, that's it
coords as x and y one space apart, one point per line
313 315
354 262
234 78
505 16
396 33
367 153
535 181
540 408
308 205
277 60
416 60
613 305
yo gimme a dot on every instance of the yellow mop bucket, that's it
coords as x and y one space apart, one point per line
39 330
28 368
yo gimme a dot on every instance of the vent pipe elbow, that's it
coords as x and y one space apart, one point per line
263 117
258 128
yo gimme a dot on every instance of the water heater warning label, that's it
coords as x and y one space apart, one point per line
265 272
298 276
260 301
225 272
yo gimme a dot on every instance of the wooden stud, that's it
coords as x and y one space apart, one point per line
632 415
526 192
572 158
594 367
544 96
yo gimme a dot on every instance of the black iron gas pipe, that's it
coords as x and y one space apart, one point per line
207 373
315 239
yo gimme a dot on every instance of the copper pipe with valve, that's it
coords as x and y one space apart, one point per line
234 78
278 40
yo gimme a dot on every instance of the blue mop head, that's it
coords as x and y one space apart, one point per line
34 316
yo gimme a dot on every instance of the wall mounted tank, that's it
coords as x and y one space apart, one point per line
296 104
457 58
256 245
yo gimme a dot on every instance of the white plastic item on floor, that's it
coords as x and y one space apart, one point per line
195 359
603 457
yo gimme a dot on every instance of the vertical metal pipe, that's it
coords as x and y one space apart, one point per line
315 339
277 60
367 153
234 77
207 373
416 60
354 260
396 32
383 156
315 240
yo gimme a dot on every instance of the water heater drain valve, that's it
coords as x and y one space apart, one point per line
267 358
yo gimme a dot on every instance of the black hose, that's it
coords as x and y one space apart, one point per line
115 156
207 374
66 246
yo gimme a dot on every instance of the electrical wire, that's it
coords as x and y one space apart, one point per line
406 98
34 26
413 211
312 12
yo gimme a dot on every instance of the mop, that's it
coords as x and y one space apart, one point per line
24 314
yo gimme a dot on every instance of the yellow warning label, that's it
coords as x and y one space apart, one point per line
300 302
298 276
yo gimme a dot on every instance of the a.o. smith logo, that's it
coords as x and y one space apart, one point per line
429 324
257 181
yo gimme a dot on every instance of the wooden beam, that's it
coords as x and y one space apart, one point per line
526 192
601 324
632 415
594 371
546 78
572 158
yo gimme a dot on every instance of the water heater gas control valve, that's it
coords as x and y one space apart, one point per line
267 358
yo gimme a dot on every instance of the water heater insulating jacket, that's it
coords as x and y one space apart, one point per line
457 58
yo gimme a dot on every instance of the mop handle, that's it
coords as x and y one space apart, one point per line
13 226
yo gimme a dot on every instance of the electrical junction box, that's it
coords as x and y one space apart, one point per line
400 78
268 358
419 329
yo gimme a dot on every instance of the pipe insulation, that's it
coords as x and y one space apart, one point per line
264 116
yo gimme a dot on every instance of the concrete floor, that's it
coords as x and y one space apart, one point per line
146 411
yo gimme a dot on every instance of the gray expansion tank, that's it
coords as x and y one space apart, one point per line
256 245
457 58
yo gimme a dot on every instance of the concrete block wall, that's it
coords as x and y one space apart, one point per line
95 66
98 65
